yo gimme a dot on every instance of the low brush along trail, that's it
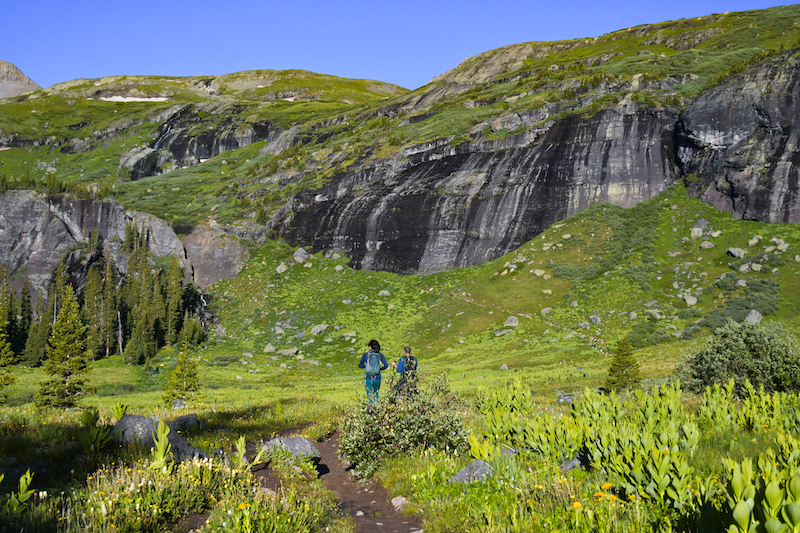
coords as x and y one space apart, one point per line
367 503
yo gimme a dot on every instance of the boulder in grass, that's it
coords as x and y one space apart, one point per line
753 317
298 446
300 255
477 470
511 322
177 403
137 430
737 253
185 423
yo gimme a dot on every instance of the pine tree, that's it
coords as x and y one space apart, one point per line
109 317
26 318
57 289
92 310
184 381
8 314
624 370
174 312
36 345
67 360
7 357
192 331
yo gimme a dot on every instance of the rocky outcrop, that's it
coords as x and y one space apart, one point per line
13 82
214 254
37 230
192 134
441 206
742 140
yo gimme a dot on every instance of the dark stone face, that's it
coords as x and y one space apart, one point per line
741 141
454 207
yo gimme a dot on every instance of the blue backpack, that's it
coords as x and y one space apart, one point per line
373 366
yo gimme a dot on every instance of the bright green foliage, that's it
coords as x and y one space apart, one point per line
763 354
192 331
162 448
93 438
118 410
184 381
17 502
624 371
431 419
716 409
765 497
66 358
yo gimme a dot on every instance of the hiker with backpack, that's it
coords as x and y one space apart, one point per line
373 362
406 366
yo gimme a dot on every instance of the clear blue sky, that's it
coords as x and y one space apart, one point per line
406 43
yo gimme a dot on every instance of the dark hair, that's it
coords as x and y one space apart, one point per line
407 349
375 345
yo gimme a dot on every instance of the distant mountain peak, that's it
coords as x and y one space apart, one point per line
13 82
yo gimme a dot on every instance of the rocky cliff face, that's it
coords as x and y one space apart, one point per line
440 206
742 140
37 230
13 82
193 133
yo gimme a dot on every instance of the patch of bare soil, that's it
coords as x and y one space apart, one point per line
368 503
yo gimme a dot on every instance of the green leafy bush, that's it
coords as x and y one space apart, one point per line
433 418
765 355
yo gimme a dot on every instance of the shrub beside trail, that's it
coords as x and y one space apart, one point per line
434 418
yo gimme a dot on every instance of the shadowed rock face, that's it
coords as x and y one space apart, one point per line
194 133
451 207
742 140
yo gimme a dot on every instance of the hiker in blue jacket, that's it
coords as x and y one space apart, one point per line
373 362
406 366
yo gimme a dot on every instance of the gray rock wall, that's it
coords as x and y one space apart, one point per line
37 230
455 206
742 140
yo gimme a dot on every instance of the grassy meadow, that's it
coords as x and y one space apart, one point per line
628 270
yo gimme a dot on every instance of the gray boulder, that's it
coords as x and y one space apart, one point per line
477 470
299 447
595 319
504 367
511 322
177 403
738 253
753 317
185 423
300 255
581 460
565 398
138 430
